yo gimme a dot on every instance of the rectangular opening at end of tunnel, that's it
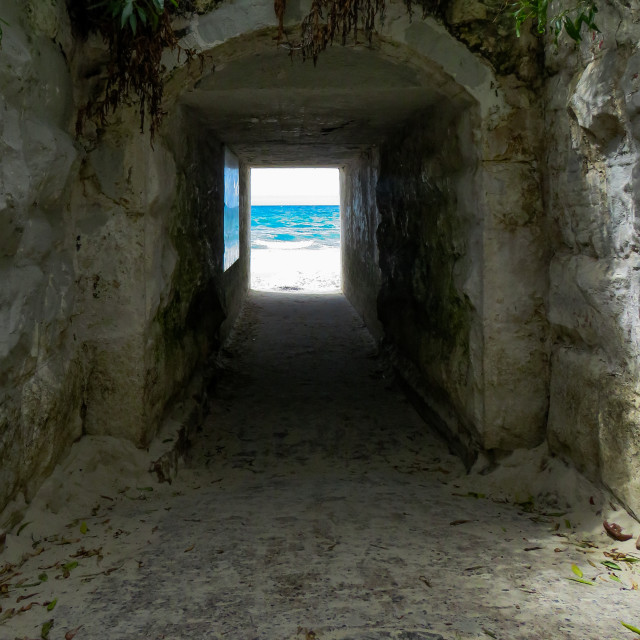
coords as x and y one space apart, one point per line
295 229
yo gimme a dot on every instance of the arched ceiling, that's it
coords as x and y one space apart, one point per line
275 110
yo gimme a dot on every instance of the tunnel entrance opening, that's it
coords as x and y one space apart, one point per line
295 229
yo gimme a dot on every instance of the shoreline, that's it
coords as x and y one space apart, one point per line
304 270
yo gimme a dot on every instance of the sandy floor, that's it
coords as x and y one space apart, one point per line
315 506
310 270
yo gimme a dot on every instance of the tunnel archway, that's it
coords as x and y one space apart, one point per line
443 250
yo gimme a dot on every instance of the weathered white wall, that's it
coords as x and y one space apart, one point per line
111 250
592 199
41 369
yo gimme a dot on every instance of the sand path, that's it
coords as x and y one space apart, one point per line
316 505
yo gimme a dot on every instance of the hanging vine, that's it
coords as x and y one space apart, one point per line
136 33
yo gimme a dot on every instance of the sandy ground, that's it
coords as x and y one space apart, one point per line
310 270
315 505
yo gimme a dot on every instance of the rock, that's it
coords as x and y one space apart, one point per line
593 101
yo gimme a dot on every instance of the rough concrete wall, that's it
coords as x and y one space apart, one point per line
153 296
514 275
360 218
123 263
430 299
40 370
110 257
593 193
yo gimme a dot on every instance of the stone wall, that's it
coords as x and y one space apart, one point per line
360 219
113 291
41 363
592 198
153 296
430 312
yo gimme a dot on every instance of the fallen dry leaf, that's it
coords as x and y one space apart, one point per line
21 598
638 543
191 548
86 553
615 531
424 580
70 635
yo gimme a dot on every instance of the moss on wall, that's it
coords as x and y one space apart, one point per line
421 239
187 326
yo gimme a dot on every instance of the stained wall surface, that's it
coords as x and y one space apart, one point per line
113 291
41 360
592 195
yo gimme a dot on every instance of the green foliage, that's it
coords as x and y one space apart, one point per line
571 20
136 32
130 12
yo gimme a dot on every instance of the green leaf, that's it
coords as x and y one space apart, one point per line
46 627
52 605
589 582
611 565
70 566
126 12
630 627
144 488
567 523
43 577
572 30
83 528
615 578
133 23
576 569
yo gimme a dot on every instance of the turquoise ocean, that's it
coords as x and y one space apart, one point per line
295 227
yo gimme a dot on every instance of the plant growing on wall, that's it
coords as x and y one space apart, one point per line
571 20
329 20
136 33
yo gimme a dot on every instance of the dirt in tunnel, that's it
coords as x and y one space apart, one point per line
315 504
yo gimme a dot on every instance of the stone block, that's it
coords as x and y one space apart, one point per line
596 302
574 406
593 101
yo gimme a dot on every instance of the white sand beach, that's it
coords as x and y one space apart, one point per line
306 270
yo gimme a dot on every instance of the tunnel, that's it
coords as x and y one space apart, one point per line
488 190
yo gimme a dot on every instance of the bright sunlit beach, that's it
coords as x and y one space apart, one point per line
295 230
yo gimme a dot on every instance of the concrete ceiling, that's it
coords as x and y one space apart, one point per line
274 110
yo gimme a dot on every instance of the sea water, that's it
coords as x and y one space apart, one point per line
295 227
295 248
